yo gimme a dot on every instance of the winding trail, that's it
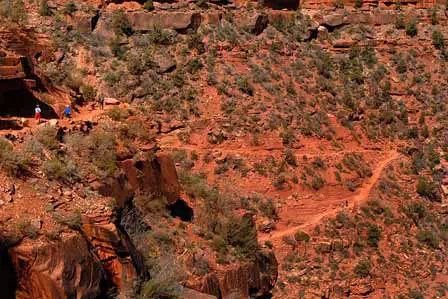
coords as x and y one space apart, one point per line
356 200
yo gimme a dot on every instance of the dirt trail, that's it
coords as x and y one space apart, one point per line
262 151
356 200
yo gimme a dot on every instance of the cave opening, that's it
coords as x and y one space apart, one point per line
21 103
282 4
182 210
8 281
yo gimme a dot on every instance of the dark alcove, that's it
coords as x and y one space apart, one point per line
8 279
21 103
182 210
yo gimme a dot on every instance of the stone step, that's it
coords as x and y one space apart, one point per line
11 72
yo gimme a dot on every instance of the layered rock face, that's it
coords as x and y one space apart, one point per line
97 259
66 269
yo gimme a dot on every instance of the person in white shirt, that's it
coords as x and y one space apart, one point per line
37 113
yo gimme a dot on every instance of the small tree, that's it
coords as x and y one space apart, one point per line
362 269
44 10
438 40
69 8
149 5
121 24
428 189
411 28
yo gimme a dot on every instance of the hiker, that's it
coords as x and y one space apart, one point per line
101 101
67 111
37 113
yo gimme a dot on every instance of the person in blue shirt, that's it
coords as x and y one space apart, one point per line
68 111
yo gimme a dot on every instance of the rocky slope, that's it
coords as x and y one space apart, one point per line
314 130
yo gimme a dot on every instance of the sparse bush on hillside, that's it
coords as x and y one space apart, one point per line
118 114
15 163
149 5
164 282
438 40
73 220
268 209
290 158
411 28
429 238
301 237
44 9
14 10
279 182
373 235
120 23
428 189
400 24
69 8
88 92
245 86
242 235
363 268
28 229
355 162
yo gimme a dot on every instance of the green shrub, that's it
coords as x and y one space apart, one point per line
411 28
164 282
69 8
434 18
117 49
56 169
44 10
373 235
149 5
73 220
438 40
428 189
358 3
26 228
268 209
428 238
242 235
15 163
120 23
88 92
14 10
400 24
288 137
245 86
363 268
279 182
301 236
118 114
290 158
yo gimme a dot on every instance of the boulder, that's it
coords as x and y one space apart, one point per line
343 43
361 288
156 176
111 101
324 247
192 294
179 21
333 20
165 62
253 22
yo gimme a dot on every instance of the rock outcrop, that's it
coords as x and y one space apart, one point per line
241 280
65 269
157 177
179 21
